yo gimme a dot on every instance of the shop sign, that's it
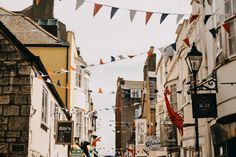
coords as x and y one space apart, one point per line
204 105
64 132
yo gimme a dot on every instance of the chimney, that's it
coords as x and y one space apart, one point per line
43 10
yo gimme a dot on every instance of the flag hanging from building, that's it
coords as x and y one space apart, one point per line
175 118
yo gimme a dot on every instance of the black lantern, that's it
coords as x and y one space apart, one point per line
194 59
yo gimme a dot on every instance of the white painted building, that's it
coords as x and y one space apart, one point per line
46 111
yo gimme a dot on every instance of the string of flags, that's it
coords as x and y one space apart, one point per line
132 12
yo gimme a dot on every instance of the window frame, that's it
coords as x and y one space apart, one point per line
44 111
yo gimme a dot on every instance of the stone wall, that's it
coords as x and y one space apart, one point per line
15 100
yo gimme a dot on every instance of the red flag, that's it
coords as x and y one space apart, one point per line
94 143
192 18
97 7
226 27
148 16
175 118
186 40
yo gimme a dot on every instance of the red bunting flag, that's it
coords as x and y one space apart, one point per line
37 2
175 118
226 27
186 41
101 61
94 143
97 7
192 18
148 16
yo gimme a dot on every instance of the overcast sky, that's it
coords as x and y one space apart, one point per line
99 37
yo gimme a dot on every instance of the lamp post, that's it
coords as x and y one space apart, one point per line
194 60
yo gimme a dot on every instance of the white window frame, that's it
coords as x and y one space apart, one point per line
44 113
230 36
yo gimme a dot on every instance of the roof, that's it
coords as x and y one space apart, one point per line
27 31
36 60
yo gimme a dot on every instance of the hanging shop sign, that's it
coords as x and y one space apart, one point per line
77 153
64 132
204 105
168 135
152 143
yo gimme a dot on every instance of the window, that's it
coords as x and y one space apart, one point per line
56 116
230 8
78 76
86 87
232 37
44 117
173 96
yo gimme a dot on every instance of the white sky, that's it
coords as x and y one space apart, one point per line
99 37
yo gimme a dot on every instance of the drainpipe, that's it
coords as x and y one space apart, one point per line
67 66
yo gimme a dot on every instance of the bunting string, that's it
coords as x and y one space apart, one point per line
132 12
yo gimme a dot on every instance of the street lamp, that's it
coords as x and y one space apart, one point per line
194 60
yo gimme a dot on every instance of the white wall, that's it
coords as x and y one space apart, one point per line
43 142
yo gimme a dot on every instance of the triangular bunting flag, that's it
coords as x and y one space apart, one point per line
40 77
58 83
192 18
112 59
121 57
71 68
226 27
113 11
132 14
131 56
213 32
163 16
82 66
78 3
48 81
179 17
97 7
206 18
100 91
101 61
148 16
63 70
169 51
186 41
173 46
37 2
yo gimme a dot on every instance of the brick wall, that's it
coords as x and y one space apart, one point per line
15 100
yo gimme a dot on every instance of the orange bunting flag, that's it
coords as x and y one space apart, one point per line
192 18
37 2
148 16
100 91
97 7
226 27
40 77
94 143
186 41
71 68
101 61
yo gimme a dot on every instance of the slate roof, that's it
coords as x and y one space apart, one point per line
27 31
